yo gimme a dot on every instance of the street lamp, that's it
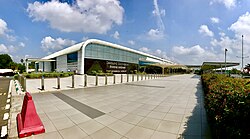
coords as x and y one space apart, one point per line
225 60
242 54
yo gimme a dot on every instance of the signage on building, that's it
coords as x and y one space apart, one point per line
116 67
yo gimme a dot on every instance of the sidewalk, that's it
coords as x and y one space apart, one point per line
167 107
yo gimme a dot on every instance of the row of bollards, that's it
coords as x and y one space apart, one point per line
138 77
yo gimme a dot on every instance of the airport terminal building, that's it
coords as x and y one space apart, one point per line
94 54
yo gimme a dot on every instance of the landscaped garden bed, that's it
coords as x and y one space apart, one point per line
227 102
34 75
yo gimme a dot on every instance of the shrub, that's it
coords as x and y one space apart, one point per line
16 76
47 75
227 101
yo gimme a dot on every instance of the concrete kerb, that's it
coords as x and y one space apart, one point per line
15 97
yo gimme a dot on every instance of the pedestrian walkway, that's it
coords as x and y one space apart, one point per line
163 108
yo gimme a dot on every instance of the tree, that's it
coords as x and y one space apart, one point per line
21 68
32 65
5 61
235 71
13 65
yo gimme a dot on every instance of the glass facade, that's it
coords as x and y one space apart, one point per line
72 57
102 52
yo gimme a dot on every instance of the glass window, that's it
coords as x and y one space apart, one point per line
88 53
72 57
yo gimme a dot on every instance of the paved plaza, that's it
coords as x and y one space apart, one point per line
164 108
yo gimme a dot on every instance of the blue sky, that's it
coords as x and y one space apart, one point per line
184 31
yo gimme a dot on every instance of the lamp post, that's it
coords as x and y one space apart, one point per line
242 54
225 60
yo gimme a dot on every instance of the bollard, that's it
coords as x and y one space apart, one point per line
73 81
85 80
145 76
24 84
106 80
121 78
133 77
137 77
141 76
96 80
114 78
42 82
127 77
58 82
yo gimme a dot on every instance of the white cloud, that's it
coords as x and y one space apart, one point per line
96 16
4 31
215 20
21 44
162 12
155 34
3 27
157 12
205 30
195 50
158 33
156 52
3 49
233 44
242 27
228 3
145 49
51 44
194 55
85 38
8 49
131 42
116 35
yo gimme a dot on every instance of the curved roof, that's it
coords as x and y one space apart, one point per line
65 51
81 45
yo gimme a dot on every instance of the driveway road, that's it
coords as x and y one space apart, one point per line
4 87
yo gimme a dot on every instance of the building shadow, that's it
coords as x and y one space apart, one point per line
195 125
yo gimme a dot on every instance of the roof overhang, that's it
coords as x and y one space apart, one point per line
39 60
216 65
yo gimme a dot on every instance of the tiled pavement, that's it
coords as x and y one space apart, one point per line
164 108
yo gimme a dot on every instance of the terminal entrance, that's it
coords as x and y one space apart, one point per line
107 66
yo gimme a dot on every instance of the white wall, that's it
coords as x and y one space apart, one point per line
47 66
79 62
61 63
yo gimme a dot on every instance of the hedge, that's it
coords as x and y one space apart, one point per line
47 74
227 102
